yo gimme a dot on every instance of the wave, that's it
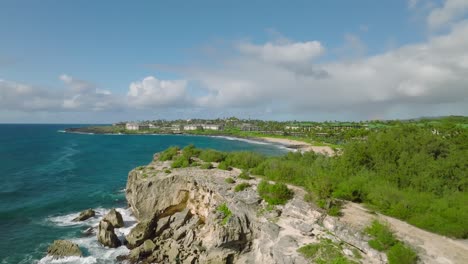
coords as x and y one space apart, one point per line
96 252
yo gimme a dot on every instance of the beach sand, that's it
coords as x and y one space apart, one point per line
300 145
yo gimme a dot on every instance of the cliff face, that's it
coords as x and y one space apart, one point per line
193 215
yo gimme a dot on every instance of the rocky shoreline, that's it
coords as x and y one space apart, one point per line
193 215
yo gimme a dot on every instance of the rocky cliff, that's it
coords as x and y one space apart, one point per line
193 215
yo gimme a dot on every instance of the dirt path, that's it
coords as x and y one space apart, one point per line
432 248
300 145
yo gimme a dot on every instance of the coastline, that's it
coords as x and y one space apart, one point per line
289 144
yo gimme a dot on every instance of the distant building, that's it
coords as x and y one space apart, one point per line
193 127
177 128
132 126
249 127
143 126
212 127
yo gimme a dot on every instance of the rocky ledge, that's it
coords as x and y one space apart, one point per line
194 215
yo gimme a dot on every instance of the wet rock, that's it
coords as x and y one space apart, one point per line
106 235
63 248
86 214
115 218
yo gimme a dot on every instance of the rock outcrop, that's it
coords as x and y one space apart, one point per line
115 218
180 221
86 214
63 248
106 235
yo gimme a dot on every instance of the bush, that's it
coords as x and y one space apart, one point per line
224 166
401 254
211 155
244 175
191 151
229 180
181 162
242 186
324 252
167 171
206 166
244 160
274 194
169 153
383 237
226 212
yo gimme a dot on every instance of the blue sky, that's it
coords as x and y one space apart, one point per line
76 61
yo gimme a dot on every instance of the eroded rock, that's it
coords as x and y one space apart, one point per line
115 218
106 235
84 215
63 248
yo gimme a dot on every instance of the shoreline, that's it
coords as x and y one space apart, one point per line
289 144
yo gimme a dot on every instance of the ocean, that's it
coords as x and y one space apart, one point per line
48 177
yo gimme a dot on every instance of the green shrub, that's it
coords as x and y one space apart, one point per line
229 180
383 237
224 166
334 210
194 164
206 166
324 252
401 254
244 175
167 171
169 153
140 168
241 186
181 162
191 151
244 160
210 155
226 212
274 194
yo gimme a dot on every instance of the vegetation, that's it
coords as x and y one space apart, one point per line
181 161
206 166
324 252
241 186
169 153
274 194
224 166
229 180
225 211
167 171
383 239
244 175
414 171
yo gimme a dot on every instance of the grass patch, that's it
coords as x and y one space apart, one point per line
242 186
210 155
383 237
229 180
206 166
224 166
181 162
169 153
401 254
244 175
274 194
167 171
225 211
324 252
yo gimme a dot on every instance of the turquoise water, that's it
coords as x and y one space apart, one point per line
48 176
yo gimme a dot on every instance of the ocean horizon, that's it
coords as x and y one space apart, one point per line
49 177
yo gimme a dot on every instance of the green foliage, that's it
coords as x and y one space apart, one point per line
224 166
191 151
401 254
225 211
274 194
244 160
324 252
140 168
181 162
229 180
169 153
244 175
210 155
206 166
383 237
241 186
167 171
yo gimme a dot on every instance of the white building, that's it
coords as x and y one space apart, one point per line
192 127
212 127
132 126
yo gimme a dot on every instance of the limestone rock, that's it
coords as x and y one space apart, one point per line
63 248
106 235
86 214
115 218
143 251
142 231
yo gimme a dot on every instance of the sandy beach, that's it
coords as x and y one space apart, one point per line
300 145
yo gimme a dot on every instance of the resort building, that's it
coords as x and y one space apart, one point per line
212 127
131 126
193 127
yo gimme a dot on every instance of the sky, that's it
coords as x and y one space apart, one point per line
66 61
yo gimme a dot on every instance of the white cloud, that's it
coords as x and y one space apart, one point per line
284 53
153 93
443 16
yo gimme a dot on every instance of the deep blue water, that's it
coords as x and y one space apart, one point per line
47 175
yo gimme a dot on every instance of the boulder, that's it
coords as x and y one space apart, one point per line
142 231
106 235
86 214
115 218
63 248
142 251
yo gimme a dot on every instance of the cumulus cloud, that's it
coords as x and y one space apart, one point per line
421 76
449 12
153 93
284 53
